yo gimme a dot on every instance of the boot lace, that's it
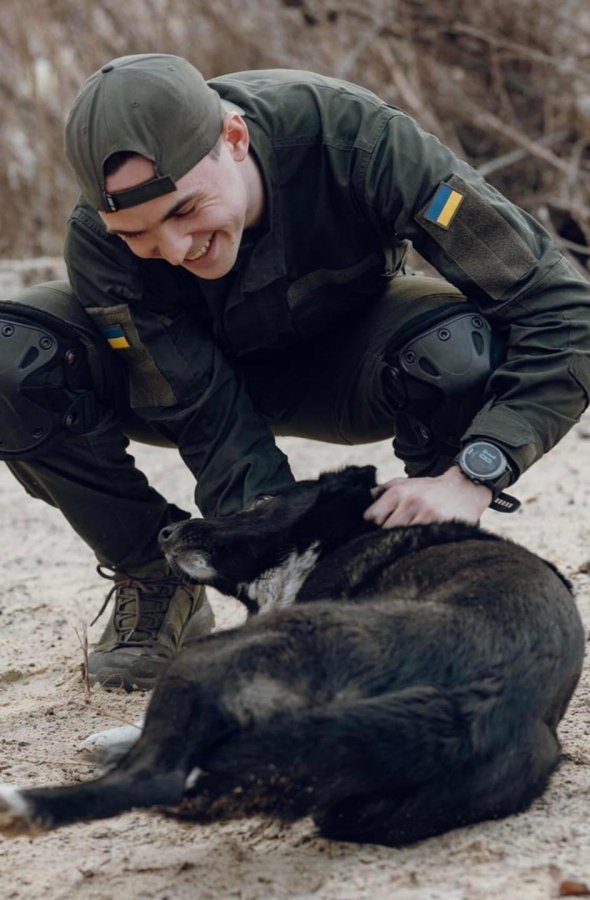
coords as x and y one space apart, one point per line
140 604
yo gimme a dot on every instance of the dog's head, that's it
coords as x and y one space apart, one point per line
287 532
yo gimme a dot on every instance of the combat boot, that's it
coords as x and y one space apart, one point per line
154 611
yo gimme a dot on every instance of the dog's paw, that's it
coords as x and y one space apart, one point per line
107 747
16 812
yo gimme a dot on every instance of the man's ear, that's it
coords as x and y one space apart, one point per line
235 133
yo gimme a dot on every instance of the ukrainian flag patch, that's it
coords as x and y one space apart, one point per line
116 337
444 206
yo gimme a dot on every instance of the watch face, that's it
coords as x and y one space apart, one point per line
483 460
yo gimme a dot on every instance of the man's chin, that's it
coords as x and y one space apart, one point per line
216 263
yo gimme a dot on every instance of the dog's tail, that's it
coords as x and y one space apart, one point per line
37 810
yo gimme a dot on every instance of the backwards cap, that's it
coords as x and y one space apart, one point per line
153 104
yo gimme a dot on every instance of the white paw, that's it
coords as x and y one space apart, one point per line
192 778
107 746
16 812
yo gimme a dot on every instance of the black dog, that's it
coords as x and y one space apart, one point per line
415 686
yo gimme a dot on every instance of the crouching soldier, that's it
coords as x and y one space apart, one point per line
237 262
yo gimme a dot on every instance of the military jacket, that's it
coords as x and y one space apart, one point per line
349 181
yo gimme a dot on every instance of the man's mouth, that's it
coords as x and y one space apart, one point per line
200 253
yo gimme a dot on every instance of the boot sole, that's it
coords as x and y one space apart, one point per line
111 681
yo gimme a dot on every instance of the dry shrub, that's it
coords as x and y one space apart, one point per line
506 83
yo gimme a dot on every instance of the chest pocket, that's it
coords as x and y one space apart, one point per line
326 297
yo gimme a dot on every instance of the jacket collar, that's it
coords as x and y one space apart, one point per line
266 262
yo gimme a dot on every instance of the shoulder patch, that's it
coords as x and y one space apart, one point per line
444 206
116 337
487 245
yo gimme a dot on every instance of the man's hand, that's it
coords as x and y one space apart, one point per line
420 501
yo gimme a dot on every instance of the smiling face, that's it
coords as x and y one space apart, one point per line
199 225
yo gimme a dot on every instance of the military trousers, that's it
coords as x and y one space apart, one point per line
345 385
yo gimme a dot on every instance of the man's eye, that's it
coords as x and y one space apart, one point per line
186 212
130 237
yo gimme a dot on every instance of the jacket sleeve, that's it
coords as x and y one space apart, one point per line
178 379
506 263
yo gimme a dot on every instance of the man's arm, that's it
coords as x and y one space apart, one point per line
505 263
179 380
222 440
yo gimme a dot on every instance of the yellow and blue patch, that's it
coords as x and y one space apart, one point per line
116 337
444 206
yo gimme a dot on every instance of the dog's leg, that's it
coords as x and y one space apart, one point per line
153 773
501 786
105 748
392 769
185 717
299 762
36 810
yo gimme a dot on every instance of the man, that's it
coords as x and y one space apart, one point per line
240 247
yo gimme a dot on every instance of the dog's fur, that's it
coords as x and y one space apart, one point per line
415 685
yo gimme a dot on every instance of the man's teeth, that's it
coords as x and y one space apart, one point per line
200 252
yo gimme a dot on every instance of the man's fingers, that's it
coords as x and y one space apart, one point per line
398 508
386 500
405 514
379 511
392 510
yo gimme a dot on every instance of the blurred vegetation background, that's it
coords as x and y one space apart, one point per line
506 83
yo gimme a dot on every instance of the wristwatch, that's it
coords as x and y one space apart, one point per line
484 463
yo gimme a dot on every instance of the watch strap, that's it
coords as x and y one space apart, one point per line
506 503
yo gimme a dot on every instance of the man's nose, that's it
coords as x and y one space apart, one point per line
173 247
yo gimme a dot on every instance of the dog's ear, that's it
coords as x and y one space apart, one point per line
352 478
365 476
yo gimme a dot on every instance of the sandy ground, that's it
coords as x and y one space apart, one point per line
51 589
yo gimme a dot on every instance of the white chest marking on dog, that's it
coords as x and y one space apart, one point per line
277 588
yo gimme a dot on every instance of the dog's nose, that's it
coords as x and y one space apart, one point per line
166 535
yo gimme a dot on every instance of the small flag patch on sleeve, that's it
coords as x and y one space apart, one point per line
444 206
116 337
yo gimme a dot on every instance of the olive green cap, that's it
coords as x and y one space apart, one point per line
153 104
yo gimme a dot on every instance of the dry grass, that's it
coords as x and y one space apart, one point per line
82 637
505 82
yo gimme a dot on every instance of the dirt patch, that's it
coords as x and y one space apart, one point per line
50 589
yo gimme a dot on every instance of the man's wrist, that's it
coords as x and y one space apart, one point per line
483 462
456 477
486 465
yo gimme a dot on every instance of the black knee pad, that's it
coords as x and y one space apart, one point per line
446 355
456 355
440 363
55 371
